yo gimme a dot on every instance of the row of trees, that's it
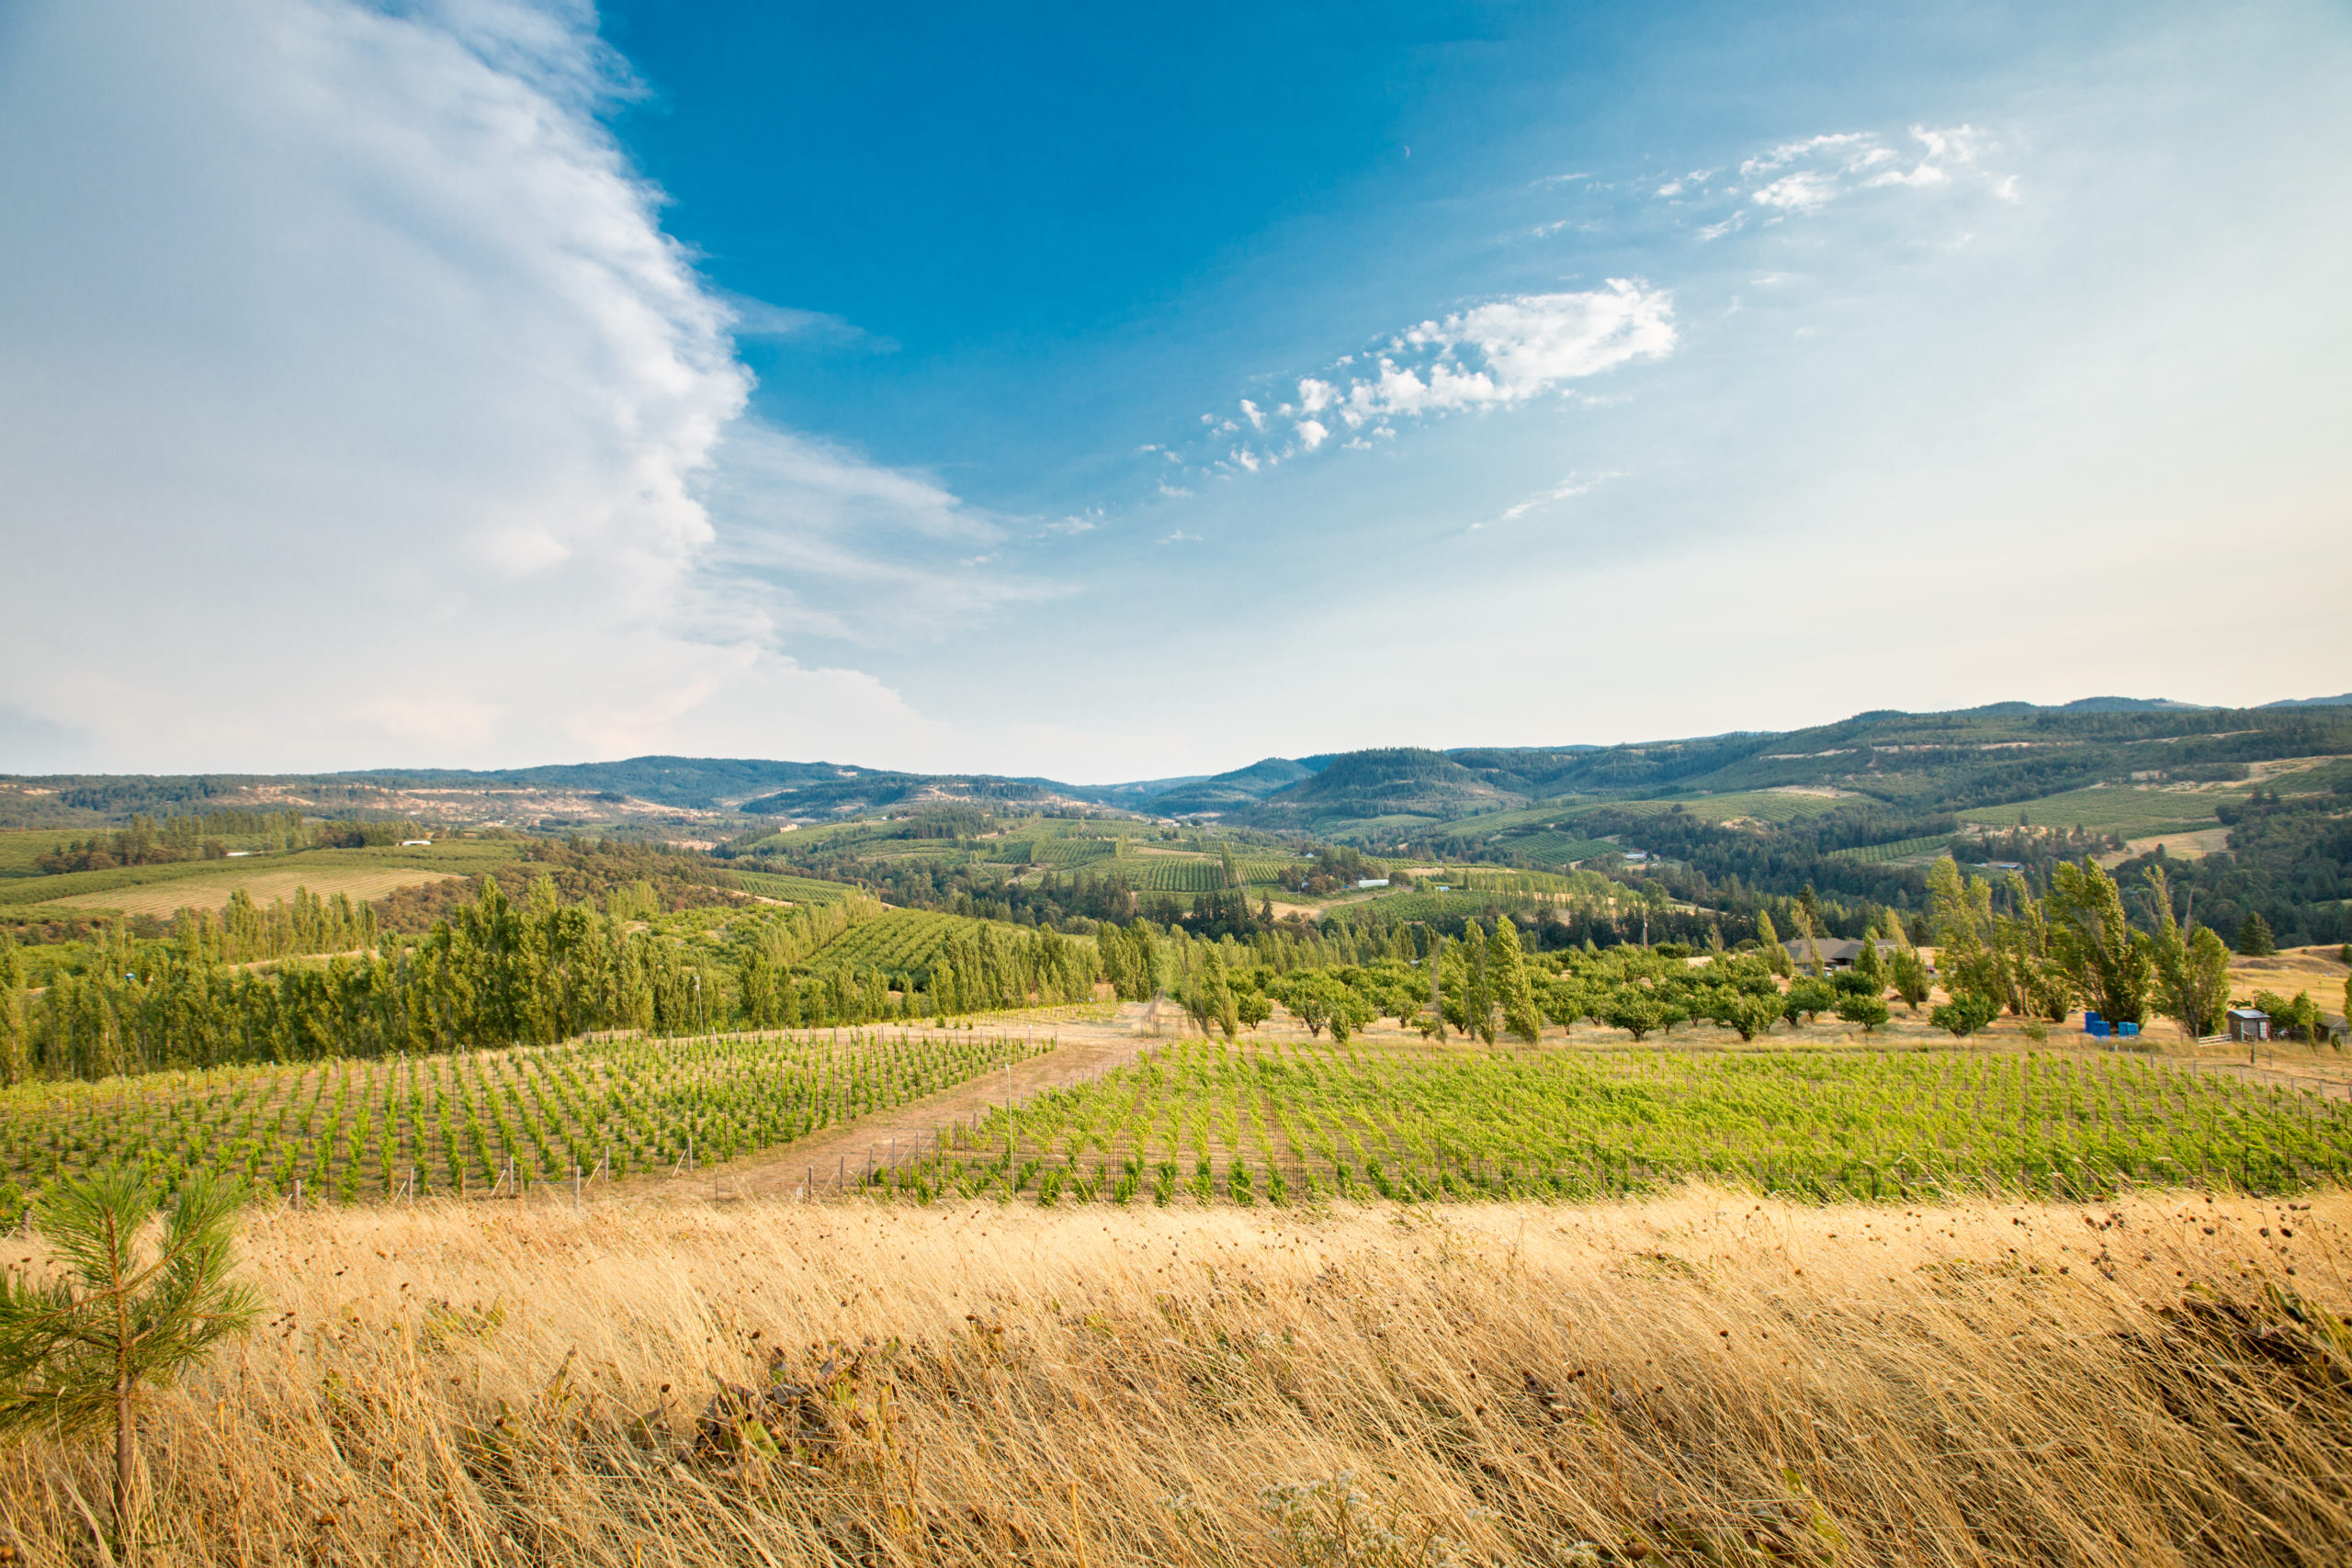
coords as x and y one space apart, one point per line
2042 957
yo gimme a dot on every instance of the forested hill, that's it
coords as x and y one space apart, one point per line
1921 762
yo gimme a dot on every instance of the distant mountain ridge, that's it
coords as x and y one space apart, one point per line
1997 753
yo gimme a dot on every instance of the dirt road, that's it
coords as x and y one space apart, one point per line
834 1158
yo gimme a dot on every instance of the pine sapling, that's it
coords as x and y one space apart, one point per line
76 1350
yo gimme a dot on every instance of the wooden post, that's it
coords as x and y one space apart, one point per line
575 1189
297 1192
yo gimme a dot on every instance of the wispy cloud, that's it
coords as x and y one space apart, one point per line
1566 490
759 318
1802 178
1496 355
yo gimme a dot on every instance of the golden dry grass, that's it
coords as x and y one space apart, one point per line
162 899
1707 1378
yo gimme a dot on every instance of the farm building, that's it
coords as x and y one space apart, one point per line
1837 953
2249 1023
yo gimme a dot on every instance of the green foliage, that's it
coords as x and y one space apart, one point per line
2192 966
1900 848
449 1122
1638 1011
2108 809
1750 1014
1810 995
2111 964
1907 975
1867 1011
1967 1012
1506 977
76 1349
2298 1019
795 889
1415 1124
2254 936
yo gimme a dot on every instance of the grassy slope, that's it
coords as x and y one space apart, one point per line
1998 1385
2111 808
159 889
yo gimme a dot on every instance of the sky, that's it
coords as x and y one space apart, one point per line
1116 392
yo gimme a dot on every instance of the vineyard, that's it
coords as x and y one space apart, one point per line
1068 852
1763 804
1901 848
899 941
794 889
452 1123
1557 848
2110 809
1168 874
1279 1121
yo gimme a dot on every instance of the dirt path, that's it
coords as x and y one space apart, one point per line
1085 1051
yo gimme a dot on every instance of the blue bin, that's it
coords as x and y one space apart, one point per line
2127 1029
2099 1028
2091 1022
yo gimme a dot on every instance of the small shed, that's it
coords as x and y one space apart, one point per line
2249 1023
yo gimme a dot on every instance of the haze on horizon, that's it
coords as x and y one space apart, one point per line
1110 395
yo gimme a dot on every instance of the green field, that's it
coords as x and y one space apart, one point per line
20 849
1168 874
360 1128
2132 812
1419 906
1902 849
161 888
907 942
1256 1121
795 889
1764 805
1555 847
1068 852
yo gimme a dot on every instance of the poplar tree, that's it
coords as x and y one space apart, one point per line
2192 964
1507 974
12 1013
2113 966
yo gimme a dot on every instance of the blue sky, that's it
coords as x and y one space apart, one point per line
1111 392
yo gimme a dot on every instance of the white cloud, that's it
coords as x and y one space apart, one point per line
1805 191
1823 169
1492 356
1566 490
757 318
356 409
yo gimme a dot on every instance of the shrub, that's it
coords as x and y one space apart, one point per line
1965 1014
1868 1011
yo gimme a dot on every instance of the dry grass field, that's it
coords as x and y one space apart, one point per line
165 899
1703 1378
362 873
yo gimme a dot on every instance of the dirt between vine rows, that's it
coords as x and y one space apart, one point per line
838 1157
